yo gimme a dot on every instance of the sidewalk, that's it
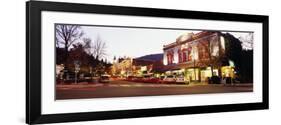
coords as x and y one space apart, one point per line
197 83
239 84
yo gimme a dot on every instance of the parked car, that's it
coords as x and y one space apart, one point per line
69 77
146 78
130 78
138 79
104 79
154 80
150 79
181 80
88 78
214 80
169 79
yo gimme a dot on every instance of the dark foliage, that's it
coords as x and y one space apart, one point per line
243 59
87 61
246 70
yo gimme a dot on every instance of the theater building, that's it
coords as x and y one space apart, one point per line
195 56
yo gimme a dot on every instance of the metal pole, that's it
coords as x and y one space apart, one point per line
75 77
91 74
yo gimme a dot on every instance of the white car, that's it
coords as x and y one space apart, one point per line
181 79
169 79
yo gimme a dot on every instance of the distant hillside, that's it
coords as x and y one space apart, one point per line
153 57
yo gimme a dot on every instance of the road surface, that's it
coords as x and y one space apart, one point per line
129 89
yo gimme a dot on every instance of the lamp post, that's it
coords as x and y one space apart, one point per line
77 69
61 73
91 73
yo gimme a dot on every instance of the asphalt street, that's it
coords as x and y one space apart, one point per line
129 89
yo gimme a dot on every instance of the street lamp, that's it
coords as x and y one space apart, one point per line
91 73
77 69
62 72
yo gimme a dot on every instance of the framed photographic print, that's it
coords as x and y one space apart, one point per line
95 62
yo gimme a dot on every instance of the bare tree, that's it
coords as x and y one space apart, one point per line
88 47
66 35
99 47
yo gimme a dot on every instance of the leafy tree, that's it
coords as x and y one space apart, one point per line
60 53
246 70
243 59
233 50
78 53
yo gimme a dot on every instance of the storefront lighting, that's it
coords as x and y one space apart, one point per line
231 63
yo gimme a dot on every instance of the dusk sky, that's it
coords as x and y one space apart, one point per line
135 42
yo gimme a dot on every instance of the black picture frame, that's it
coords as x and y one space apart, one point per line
33 61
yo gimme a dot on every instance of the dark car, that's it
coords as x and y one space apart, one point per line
130 78
150 79
104 79
215 80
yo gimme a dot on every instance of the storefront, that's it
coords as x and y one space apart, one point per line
228 71
193 56
192 74
204 73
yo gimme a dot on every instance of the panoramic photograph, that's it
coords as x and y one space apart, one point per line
116 61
